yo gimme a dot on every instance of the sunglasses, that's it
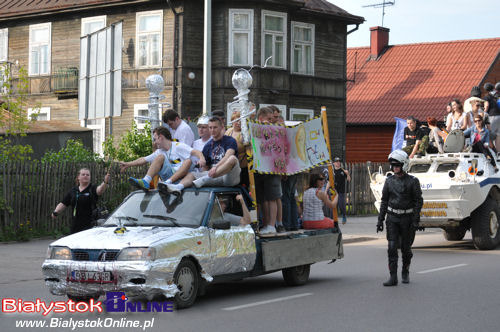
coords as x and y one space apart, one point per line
478 120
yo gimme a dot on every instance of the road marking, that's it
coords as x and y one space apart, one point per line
442 268
285 298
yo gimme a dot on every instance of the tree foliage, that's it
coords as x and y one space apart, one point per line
133 144
74 151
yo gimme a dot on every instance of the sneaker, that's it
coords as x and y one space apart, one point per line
280 229
139 183
267 230
198 183
162 187
174 188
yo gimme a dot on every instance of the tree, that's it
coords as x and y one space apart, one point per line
133 144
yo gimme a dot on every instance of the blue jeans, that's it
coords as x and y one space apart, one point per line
290 215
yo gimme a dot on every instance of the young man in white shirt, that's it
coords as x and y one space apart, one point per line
171 161
179 129
204 134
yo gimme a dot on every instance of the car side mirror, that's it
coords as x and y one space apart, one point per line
221 224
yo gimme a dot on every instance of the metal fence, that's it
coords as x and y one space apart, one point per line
29 192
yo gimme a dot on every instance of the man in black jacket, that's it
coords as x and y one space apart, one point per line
402 202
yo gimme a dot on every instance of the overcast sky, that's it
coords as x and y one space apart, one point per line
416 21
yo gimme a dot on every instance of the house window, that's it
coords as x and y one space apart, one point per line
274 38
240 37
149 37
282 109
302 56
4 44
98 133
92 24
300 114
39 114
142 110
39 57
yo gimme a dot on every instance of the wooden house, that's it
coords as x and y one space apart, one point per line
387 81
307 39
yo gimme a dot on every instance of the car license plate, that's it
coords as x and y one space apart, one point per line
91 276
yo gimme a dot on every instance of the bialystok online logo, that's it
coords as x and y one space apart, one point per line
115 302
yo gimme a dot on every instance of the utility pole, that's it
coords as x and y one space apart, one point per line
207 59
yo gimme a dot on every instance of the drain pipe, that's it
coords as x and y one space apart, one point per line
176 54
353 29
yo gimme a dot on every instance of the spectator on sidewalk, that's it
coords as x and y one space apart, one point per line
83 198
341 176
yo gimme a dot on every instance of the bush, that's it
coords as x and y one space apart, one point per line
74 151
14 152
134 144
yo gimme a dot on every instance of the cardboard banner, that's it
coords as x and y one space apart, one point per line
287 150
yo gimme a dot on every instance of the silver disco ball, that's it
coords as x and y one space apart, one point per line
242 79
155 84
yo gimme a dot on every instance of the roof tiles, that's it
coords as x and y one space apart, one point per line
414 79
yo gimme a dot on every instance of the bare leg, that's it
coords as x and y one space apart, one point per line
156 165
182 171
226 167
273 212
279 215
187 181
265 213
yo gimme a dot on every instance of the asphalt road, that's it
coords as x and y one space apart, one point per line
453 288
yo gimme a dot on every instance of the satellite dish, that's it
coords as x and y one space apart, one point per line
455 141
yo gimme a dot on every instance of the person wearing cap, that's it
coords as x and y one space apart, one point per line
340 177
474 93
179 129
171 160
204 134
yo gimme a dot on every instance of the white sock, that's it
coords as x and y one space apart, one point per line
147 179
201 181
168 181
179 186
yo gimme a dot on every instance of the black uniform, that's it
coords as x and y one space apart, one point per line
402 202
83 204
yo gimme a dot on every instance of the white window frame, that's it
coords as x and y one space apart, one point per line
138 107
302 43
249 31
100 126
38 111
274 33
301 111
32 44
138 33
4 44
92 19
282 109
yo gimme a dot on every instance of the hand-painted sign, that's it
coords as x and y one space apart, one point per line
279 149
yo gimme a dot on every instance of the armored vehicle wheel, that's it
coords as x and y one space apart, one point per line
297 275
485 224
454 233
187 280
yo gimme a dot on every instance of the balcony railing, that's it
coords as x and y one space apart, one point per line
65 81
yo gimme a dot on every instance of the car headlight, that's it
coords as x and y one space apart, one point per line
137 254
62 253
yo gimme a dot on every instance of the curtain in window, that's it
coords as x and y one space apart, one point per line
240 48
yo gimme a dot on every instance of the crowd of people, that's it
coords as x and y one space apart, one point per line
478 118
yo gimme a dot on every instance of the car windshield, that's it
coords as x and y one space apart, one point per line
166 210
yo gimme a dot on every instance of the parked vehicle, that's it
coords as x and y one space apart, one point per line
175 245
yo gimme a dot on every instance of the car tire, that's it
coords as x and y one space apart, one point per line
187 280
297 275
485 225
454 233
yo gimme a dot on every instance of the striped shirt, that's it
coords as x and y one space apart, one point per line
313 206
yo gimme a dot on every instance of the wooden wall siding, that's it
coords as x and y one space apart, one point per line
371 143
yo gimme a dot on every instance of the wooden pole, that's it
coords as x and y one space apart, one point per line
324 122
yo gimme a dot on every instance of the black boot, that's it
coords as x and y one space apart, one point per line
393 280
405 276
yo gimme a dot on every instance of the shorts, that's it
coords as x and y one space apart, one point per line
227 180
167 170
318 224
268 187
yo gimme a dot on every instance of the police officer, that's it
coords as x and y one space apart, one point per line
401 201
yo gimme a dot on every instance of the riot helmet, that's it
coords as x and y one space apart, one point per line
399 158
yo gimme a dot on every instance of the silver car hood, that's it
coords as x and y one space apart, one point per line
106 238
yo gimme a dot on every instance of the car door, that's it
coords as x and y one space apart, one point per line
233 249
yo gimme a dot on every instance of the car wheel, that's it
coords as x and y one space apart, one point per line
187 280
297 275
485 225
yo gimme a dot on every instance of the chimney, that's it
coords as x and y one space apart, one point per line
379 40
